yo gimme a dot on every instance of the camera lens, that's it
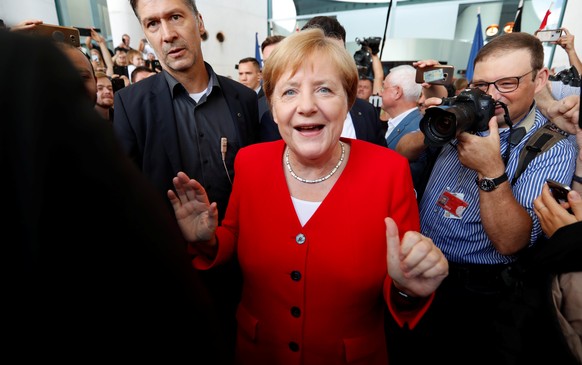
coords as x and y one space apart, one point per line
445 125
442 124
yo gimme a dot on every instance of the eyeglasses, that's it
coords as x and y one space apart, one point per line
504 85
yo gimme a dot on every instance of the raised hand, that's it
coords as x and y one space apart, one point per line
196 217
416 265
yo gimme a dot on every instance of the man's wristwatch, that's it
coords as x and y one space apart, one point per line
489 184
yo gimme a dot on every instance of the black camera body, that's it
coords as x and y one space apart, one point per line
568 76
373 43
470 111
363 56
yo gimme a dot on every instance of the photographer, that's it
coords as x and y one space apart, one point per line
475 213
368 62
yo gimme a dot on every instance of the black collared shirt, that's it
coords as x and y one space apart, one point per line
200 126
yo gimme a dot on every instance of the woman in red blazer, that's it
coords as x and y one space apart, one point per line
313 220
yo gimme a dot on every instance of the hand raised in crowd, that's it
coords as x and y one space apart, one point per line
566 41
196 216
565 113
430 90
553 215
97 37
415 264
26 25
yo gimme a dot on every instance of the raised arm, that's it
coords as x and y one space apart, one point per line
104 51
567 43
378 74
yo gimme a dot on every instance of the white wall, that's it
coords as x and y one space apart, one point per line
15 11
123 21
238 21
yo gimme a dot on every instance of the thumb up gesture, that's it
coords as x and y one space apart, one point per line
415 264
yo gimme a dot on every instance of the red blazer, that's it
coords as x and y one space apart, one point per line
315 294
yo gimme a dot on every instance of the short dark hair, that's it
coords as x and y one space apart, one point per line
251 60
330 26
365 77
272 39
120 49
512 42
139 69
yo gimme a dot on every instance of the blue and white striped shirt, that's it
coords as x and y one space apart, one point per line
465 240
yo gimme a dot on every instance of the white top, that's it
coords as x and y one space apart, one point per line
349 131
304 209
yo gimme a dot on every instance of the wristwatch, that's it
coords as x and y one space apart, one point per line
489 184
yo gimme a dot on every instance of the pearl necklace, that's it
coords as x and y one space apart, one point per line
321 179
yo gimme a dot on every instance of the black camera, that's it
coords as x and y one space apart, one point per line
363 56
373 43
117 84
568 76
470 111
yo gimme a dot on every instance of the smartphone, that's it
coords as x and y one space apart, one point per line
548 35
86 32
117 84
120 70
437 75
58 33
559 191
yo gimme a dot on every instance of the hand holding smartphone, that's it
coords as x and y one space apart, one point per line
559 192
437 75
548 35
58 33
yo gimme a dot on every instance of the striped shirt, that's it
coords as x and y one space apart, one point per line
465 240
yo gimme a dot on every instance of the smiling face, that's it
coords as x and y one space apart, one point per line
173 29
310 83
310 107
104 92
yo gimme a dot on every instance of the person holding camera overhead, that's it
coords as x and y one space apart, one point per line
476 214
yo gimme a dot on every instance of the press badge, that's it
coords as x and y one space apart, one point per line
453 204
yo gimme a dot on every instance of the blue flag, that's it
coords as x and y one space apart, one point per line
258 50
477 44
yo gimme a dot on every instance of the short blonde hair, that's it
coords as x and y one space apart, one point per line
305 47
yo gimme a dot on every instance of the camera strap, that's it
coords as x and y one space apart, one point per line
516 134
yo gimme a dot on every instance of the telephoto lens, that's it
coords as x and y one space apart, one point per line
470 111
